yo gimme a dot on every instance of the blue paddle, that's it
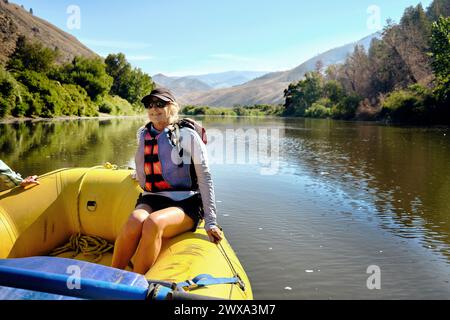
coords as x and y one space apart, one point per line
72 278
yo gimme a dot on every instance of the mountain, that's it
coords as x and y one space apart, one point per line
181 85
206 82
269 88
16 21
228 79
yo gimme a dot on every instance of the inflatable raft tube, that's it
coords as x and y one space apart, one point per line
97 202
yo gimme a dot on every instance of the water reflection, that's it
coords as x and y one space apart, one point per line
40 147
403 173
342 192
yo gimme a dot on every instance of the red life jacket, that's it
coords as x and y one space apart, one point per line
154 180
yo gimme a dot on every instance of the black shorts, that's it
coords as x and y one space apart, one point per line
192 206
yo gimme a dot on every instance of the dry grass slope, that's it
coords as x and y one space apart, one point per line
15 21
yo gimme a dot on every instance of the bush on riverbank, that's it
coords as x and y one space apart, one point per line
413 105
256 110
319 109
204 110
115 105
316 97
89 74
10 93
32 85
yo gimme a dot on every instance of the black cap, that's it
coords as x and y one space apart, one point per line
159 93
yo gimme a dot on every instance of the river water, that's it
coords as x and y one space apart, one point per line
309 206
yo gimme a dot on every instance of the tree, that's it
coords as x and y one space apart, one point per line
130 84
90 74
319 66
141 84
388 69
31 56
302 95
408 42
120 70
334 91
357 72
437 9
440 55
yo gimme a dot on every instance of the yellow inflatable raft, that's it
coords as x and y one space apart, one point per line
96 202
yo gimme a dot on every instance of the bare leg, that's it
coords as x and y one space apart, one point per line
128 239
165 223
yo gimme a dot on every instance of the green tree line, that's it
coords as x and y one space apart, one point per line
32 84
403 77
238 110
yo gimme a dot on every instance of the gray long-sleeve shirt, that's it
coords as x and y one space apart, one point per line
194 149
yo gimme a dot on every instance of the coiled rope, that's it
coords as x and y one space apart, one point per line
87 245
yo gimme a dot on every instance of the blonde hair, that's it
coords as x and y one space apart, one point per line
174 109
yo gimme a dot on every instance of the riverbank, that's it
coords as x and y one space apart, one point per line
104 116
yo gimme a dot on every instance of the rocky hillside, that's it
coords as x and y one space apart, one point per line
270 87
16 21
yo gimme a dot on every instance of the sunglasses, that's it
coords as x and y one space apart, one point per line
156 104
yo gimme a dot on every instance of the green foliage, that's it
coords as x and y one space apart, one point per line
39 96
7 85
105 107
128 83
115 105
50 92
334 91
346 108
303 94
90 74
412 105
78 102
36 87
248 111
269 109
318 110
31 56
440 54
317 97
195 111
253 111
51 98
15 99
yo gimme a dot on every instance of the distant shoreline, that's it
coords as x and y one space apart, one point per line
10 120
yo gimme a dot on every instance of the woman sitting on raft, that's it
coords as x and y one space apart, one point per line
177 195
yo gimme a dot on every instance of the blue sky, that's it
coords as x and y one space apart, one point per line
181 37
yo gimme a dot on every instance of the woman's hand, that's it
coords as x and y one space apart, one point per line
215 235
28 181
